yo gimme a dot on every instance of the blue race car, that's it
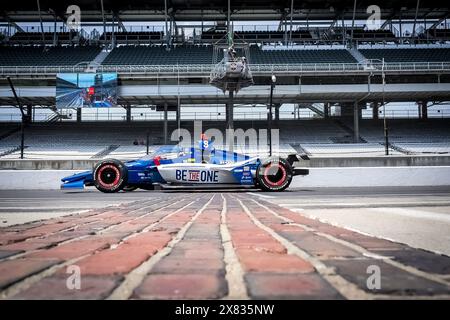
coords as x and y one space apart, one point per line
189 166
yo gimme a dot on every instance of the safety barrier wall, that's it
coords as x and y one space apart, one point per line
315 162
318 177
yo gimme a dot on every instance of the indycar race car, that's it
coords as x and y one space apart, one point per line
189 166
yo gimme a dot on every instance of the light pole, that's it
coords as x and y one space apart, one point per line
385 127
24 118
269 118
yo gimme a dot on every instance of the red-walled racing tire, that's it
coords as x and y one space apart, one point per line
110 175
274 174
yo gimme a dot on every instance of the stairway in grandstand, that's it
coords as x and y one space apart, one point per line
357 55
105 152
98 60
351 132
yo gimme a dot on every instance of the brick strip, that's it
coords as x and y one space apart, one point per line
71 252
349 260
18 238
187 272
133 284
82 228
274 267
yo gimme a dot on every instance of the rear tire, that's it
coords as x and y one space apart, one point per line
110 175
274 174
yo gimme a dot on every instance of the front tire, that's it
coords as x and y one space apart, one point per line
274 174
110 176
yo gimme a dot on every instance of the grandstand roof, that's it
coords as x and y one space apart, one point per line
213 10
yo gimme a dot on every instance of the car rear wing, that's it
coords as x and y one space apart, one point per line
292 158
296 157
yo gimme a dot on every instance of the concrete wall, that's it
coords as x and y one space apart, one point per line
315 162
374 177
319 177
32 179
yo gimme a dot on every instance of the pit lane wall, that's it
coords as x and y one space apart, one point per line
318 177
315 162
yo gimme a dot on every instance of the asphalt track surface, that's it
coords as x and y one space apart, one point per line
215 244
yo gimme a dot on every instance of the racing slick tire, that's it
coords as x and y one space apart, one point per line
110 175
274 174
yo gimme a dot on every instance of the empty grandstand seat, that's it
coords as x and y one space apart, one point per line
408 55
27 38
40 56
258 36
371 35
439 33
300 56
134 37
406 131
317 137
144 55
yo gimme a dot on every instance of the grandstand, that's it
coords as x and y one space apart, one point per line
408 55
46 56
315 137
191 55
327 65
48 38
136 37
143 55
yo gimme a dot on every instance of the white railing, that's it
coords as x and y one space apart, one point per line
220 116
205 69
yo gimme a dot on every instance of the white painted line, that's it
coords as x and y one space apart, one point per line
414 213
234 271
260 195
297 209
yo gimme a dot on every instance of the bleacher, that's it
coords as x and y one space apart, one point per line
78 142
46 56
312 131
134 37
203 54
420 136
362 35
409 55
257 36
296 56
322 138
439 33
145 55
26 38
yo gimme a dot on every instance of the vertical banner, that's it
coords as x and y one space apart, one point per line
93 90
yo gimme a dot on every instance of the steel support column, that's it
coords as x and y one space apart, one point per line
375 106
423 110
29 118
79 116
165 124
326 110
128 117
356 122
